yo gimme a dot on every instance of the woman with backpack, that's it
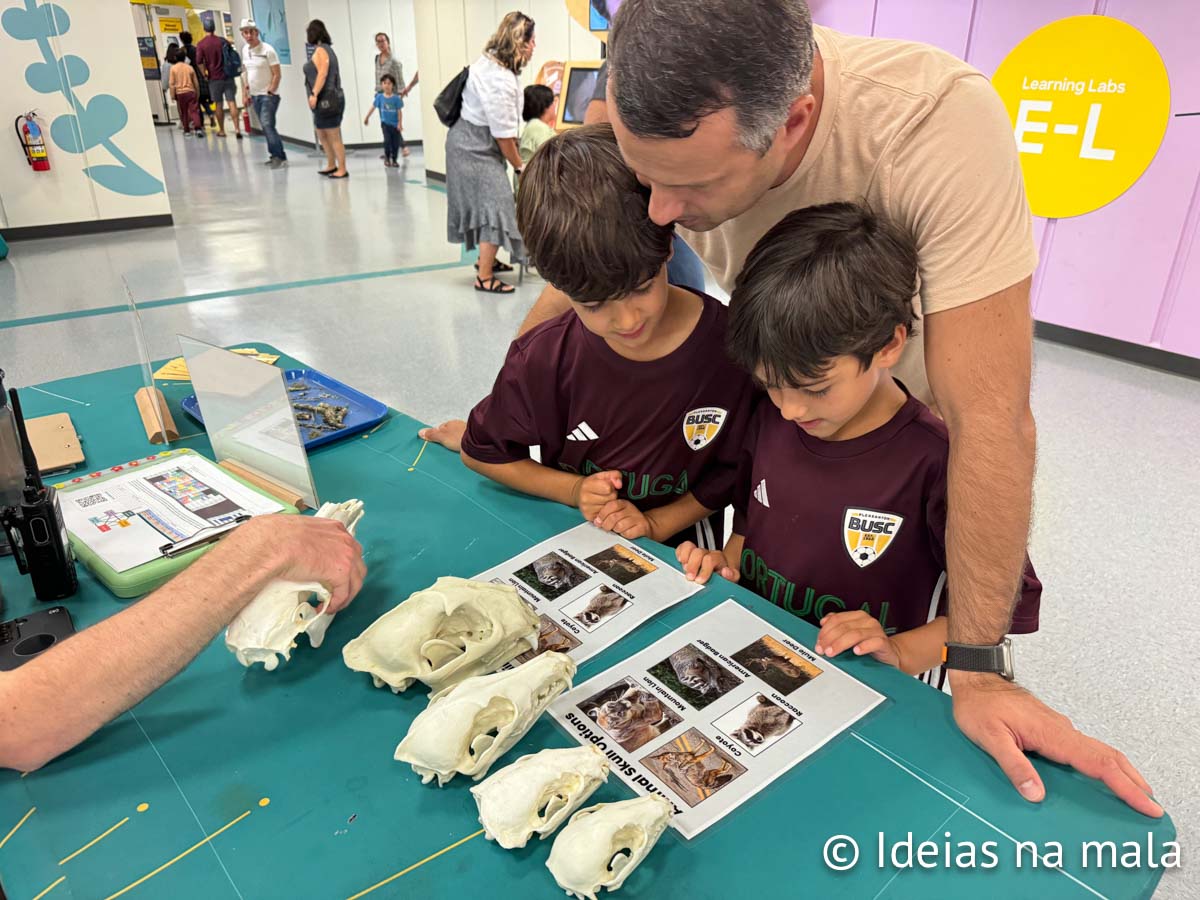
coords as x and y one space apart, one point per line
480 207
323 79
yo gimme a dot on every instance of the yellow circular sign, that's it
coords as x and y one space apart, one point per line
1089 100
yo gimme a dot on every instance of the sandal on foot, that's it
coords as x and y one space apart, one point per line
497 266
326 171
493 286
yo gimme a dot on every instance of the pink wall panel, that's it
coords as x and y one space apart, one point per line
1001 24
1173 26
850 16
943 23
1107 270
1183 327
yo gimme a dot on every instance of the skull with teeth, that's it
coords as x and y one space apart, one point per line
450 631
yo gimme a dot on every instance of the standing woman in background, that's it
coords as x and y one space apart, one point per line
480 207
387 64
323 78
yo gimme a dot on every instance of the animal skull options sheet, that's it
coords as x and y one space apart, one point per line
713 713
589 588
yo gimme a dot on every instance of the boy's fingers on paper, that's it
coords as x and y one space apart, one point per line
683 552
731 575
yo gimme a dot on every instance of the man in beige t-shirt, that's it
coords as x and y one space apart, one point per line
736 112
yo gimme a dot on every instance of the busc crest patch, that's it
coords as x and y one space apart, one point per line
867 533
701 425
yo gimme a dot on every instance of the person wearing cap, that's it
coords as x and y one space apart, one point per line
260 86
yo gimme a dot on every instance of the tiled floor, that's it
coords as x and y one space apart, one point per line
357 279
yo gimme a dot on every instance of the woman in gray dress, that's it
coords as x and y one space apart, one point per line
481 210
323 78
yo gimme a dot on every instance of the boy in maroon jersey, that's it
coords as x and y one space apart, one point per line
639 414
840 507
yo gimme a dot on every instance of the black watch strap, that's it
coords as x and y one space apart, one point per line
995 658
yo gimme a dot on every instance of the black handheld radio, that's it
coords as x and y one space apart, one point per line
35 526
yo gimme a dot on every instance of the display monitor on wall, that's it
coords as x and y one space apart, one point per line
600 13
578 85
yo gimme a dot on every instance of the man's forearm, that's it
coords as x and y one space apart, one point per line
276 75
551 302
104 670
530 477
989 493
667 521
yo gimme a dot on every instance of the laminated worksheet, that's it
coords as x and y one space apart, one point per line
713 713
127 518
589 587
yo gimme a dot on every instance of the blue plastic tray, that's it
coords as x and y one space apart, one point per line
365 412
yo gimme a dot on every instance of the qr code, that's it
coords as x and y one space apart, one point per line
91 500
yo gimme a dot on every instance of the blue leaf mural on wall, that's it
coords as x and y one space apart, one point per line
95 123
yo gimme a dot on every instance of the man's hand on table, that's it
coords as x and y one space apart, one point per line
448 434
1007 721
304 548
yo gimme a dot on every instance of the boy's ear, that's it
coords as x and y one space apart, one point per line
890 354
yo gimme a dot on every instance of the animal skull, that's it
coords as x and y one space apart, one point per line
269 625
602 844
537 793
467 726
443 634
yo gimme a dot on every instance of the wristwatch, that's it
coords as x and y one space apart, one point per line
993 658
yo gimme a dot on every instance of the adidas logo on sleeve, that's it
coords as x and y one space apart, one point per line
760 493
583 432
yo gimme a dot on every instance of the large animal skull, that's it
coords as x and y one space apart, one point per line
603 844
467 726
269 625
537 792
445 633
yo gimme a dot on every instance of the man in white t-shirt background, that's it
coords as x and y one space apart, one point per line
260 87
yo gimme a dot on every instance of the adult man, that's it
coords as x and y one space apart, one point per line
733 115
59 698
260 83
222 86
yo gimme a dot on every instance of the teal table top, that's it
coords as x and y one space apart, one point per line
239 783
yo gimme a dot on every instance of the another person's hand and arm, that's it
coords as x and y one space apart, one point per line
624 518
512 153
412 84
914 652
589 494
59 698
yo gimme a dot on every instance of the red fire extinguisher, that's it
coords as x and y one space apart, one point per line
29 133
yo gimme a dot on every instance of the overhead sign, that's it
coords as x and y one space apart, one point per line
1089 101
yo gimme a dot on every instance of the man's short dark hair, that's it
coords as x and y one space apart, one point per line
186 37
827 281
673 62
210 24
538 99
585 218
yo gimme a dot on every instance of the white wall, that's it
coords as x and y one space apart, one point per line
450 34
101 34
352 24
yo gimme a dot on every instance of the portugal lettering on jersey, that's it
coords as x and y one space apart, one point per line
867 533
701 425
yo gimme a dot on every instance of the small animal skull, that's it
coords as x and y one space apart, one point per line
467 726
603 844
535 794
269 625
450 631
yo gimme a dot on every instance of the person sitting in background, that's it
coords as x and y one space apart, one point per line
185 91
389 104
539 114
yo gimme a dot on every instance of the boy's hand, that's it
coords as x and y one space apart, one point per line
860 630
367 120
623 518
699 564
594 491
448 434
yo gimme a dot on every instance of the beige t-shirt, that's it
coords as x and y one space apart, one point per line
919 136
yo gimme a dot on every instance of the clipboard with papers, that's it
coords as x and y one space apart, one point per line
136 525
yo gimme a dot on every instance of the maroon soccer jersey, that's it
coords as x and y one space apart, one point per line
858 524
670 425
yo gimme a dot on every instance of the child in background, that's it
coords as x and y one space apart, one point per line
389 104
639 414
539 113
840 505
185 91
